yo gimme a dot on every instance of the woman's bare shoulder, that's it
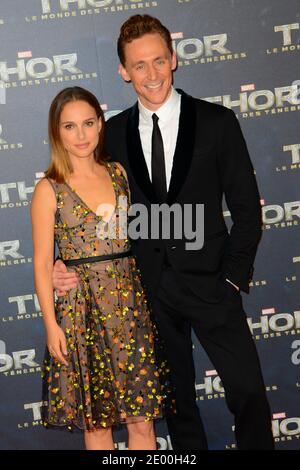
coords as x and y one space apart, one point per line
44 192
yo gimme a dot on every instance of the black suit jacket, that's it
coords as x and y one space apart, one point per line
211 160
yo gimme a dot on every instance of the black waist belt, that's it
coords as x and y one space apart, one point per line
94 259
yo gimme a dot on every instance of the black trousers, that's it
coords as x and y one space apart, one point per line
223 331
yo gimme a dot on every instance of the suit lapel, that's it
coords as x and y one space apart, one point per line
136 157
183 152
184 146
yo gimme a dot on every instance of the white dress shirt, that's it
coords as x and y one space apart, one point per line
168 123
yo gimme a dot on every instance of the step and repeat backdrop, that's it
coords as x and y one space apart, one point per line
244 55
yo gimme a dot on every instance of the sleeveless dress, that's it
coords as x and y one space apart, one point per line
112 375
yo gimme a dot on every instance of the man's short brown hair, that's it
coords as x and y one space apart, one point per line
136 27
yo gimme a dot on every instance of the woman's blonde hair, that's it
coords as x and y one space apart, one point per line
60 165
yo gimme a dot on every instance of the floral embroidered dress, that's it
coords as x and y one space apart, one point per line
112 375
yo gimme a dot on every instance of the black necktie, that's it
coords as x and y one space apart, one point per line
158 169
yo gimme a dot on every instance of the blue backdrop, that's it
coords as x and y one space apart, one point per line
242 54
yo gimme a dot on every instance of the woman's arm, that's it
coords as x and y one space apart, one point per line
43 208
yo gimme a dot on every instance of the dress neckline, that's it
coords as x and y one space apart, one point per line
110 173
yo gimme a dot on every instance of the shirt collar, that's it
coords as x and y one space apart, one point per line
165 112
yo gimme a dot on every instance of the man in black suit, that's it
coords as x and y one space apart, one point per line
178 149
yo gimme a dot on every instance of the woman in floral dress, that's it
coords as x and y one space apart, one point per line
100 368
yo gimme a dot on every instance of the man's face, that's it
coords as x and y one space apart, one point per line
149 65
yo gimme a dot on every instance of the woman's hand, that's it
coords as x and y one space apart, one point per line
57 344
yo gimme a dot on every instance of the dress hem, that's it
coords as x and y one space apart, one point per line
72 426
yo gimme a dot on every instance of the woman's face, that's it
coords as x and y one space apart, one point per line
79 129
